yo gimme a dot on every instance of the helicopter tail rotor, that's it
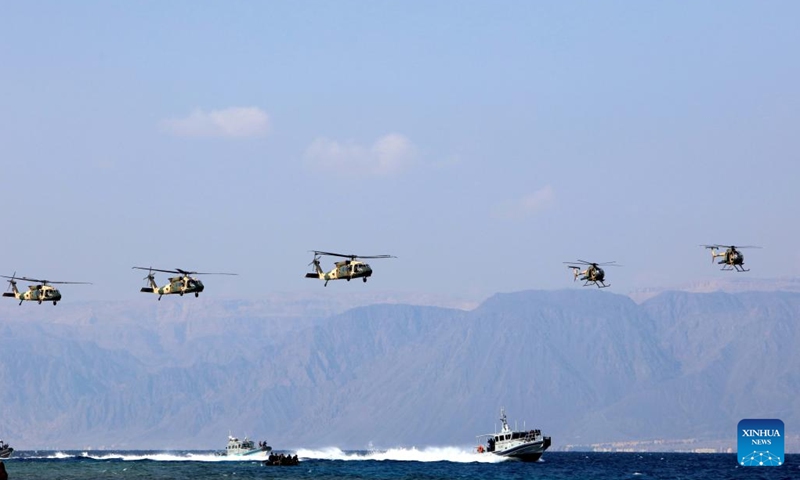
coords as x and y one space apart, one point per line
316 264
151 281
11 291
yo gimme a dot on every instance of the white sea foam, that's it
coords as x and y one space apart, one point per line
164 456
404 454
427 454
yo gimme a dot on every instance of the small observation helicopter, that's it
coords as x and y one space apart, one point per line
593 273
43 291
180 284
345 269
732 259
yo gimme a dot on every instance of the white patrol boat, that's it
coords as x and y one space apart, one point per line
244 447
527 446
5 450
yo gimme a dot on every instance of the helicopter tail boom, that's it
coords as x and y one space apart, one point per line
575 272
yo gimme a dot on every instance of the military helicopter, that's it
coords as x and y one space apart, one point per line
593 273
43 291
732 259
345 269
180 284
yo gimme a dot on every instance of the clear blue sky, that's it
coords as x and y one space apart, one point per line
483 143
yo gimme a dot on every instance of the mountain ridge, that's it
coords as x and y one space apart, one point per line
592 367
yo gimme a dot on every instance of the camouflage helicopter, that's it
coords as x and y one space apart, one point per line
593 273
345 269
732 259
42 291
180 284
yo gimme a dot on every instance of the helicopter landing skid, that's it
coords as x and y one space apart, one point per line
599 284
737 268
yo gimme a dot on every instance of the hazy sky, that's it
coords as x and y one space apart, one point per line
483 143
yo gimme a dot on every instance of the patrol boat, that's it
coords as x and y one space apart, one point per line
527 446
5 450
244 447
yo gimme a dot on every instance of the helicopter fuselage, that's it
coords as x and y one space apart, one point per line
36 293
344 270
350 269
593 274
177 286
731 259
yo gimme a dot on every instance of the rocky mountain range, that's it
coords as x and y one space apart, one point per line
587 367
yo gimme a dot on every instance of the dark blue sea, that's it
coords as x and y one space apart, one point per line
397 464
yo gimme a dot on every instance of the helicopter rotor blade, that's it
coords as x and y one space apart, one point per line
332 254
185 272
595 264
43 282
608 264
352 256
211 273
151 269
181 272
736 247
26 279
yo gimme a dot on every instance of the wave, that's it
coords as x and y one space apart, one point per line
401 454
156 456
427 454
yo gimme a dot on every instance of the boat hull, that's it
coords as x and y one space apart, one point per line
526 445
526 452
6 452
246 453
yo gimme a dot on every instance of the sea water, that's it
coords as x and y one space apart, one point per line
393 464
